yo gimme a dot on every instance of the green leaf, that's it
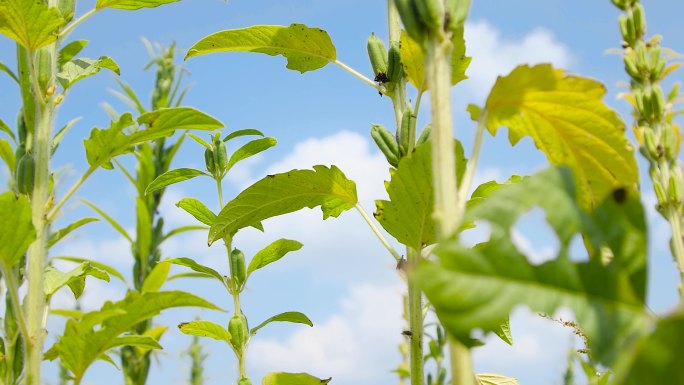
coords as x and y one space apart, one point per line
205 329
290 316
568 121
7 155
16 228
76 70
109 220
70 50
9 72
285 193
407 216
476 288
171 177
195 266
245 132
30 23
75 278
85 340
413 60
57 139
183 229
106 268
198 210
104 144
142 341
495 379
282 378
272 253
155 280
504 332
131 4
5 128
251 148
306 49
64 231
488 188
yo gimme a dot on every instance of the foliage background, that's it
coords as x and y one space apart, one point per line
342 277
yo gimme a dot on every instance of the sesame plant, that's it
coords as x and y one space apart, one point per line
47 68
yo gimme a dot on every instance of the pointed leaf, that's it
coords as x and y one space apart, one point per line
245 132
495 379
57 139
5 128
142 341
5 69
131 4
106 268
281 378
76 70
272 253
174 176
285 193
64 231
155 280
7 155
306 49
183 229
55 279
568 121
195 266
251 148
290 316
70 50
205 329
476 288
407 216
16 228
30 23
198 210
109 220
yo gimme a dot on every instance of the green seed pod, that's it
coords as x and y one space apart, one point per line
239 331
651 143
639 101
3 361
403 135
678 184
425 135
657 100
654 55
620 4
673 191
457 11
377 53
245 381
660 193
21 127
221 157
209 161
237 267
626 29
631 68
659 69
43 62
641 57
639 20
669 142
394 70
409 17
387 143
431 13
25 174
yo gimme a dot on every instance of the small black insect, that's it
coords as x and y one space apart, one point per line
407 333
381 77
620 195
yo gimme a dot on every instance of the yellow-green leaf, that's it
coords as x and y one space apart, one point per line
282 378
306 49
205 329
30 23
16 228
131 4
569 122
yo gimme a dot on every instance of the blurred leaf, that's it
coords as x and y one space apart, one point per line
76 70
495 379
272 253
30 23
108 269
173 176
74 278
306 49
58 235
5 128
282 378
141 341
16 228
205 329
156 278
245 132
7 155
109 220
290 316
569 122
285 193
131 4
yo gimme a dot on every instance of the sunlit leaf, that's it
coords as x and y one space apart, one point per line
16 228
173 176
106 268
70 50
156 278
272 253
205 329
131 4
76 70
30 23
306 49
245 132
495 379
285 193
74 278
7 154
142 341
64 231
568 121
198 210
199 268
282 378
290 316
251 148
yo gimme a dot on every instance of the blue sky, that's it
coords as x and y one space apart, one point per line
342 278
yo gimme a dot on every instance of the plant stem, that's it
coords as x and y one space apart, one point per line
415 307
446 214
377 232
55 209
76 22
469 174
360 76
13 291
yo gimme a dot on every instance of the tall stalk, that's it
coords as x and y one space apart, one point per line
653 113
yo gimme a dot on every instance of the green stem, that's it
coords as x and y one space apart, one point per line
446 214
13 291
415 307
466 182
55 209
76 22
377 232
360 76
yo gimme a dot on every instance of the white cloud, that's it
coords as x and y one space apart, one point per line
354 346
494 55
